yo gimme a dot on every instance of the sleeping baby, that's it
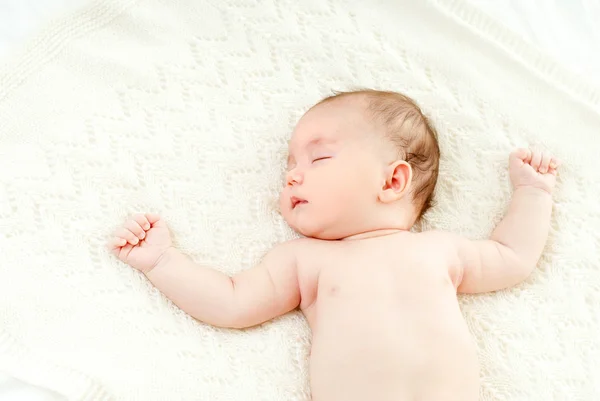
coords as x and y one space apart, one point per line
381 301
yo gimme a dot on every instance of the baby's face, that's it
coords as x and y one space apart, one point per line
335 170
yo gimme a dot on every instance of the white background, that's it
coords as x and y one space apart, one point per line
564 29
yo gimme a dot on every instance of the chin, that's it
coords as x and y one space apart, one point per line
307 230
318 232
315 229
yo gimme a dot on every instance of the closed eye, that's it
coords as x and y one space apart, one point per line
321 158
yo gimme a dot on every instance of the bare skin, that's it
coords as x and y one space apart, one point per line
381 301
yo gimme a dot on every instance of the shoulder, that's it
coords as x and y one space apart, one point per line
444 240
297 247
448 247
299 251
310 255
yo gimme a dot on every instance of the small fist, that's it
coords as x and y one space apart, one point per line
141 241
535 169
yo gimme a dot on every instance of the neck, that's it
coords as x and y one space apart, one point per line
386 221
374 234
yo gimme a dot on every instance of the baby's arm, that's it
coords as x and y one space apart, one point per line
251 297
515 246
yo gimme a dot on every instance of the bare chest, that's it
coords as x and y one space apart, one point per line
396 273
390 309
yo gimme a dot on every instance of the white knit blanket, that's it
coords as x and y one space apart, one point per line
184 108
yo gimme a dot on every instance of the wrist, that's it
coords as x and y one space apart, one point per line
531 189
165 259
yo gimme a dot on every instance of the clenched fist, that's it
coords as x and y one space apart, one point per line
533 169
141 241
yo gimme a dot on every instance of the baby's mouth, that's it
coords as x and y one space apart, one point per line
297 201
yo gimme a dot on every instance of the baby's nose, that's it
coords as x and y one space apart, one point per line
294 177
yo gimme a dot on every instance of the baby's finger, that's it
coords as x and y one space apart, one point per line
116 242
521 154
155 220
135 228
555 163
546 158
115 245
128 235
142 221
536 159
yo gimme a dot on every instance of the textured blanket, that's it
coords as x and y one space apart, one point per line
184 108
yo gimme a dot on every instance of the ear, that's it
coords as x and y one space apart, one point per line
398 177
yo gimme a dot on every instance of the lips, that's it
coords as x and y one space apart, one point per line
297 201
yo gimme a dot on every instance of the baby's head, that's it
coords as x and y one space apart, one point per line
359 162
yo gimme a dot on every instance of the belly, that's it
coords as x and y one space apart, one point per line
382 348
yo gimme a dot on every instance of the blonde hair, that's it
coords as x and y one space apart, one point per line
411 133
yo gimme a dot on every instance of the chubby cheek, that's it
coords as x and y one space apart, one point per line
348 188
337 190
333 199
